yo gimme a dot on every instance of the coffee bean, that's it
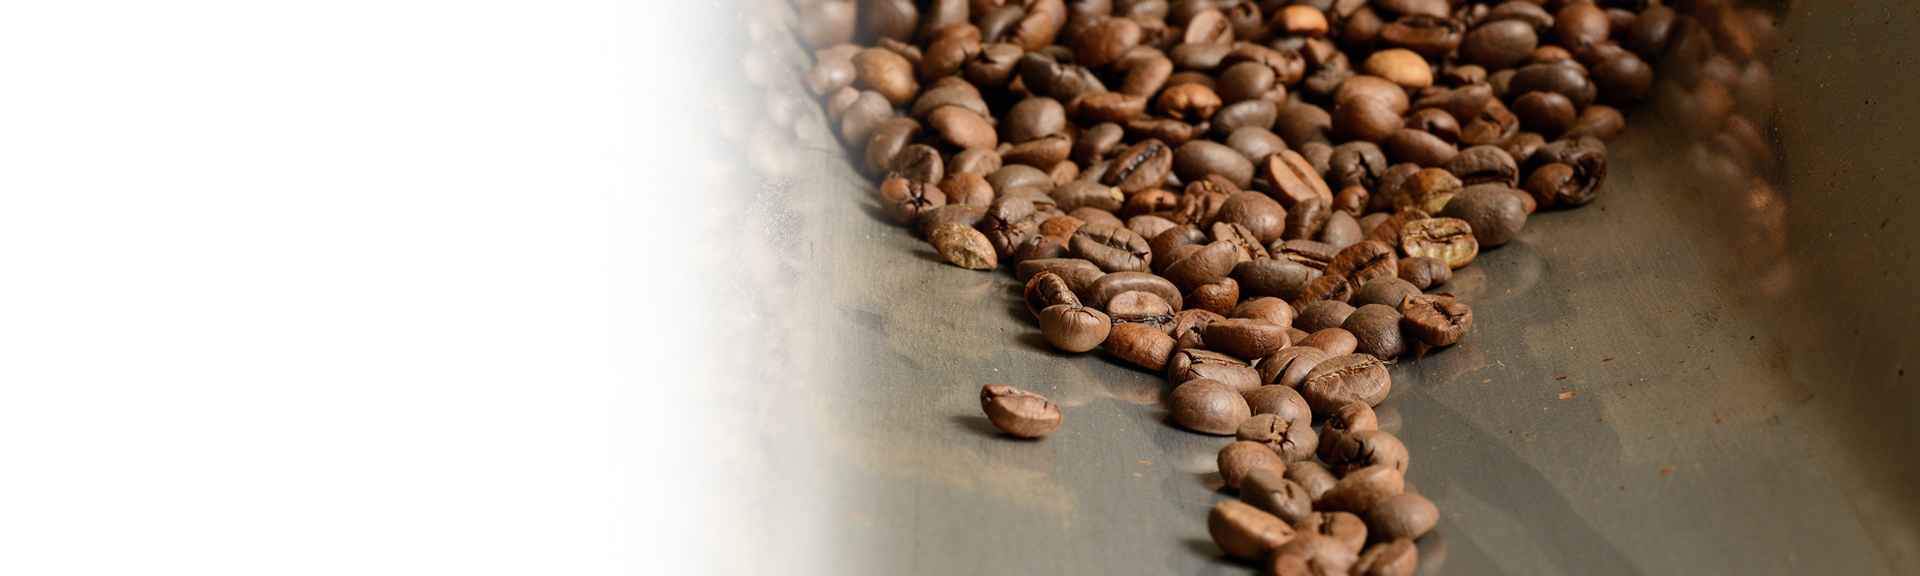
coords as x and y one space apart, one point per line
1019 412
1356 450
1344 528
1047 289
1360 489
1287 440
1311 554
1387 290
906 200
1208 407
1193 319
1293 179
1499 44
1141 308
1272 493
1195 364
962 127
1289 367
887 73
1449 240
1484 164
1313 254
1218 297
1493 212
1402 516
1139 344
1276 278
1344 379
1009 221
1110 285
1245 531
1246 337
1436 320
1396 558
1074 328
1323 315
1140 166
1342 230
963 246
1363 261
823 24
1112 248
1425 272
1376 331
1548 113
1333 341
1239 458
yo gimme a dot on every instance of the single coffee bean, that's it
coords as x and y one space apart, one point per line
1323 315
1356 450
1112 248
1079 274
887 73
1289 367
1019 412
1385 290
1345 528
1286 440
1361 489
1107 286
1403 516
1240 236
1140 344
1009 221
1196 364
1397 558
1141 308
1353 417
963 246
1484 164
1141 166
1357 163
1344 379
1047 153
977 161
1313 477
1425 272
1277 278
1247 338
1311 554
1435 320
1342 230
1193 320
1259 113
967 189
1073 328
1333 341
1246 532
906 200
961 213
1376 331
1427 190
1265 309
1363 261
1449 240
1493 212
1599 121
1047 289
885 145
1313 254
1199 158
1239 458
1293 179
1208 407
1271 492
1499 44
1218 297
1548 113
1061 226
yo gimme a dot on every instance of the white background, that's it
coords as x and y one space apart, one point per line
345 287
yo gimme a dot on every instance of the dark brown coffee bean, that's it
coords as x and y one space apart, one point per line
963 246
949 92
1246 337
1342 230
1449 240
1566 80
1599 121
945 56
964 214
968 189
1061 226
887 73
1141 166
1194 364
1312 476
1300 123
1112 248
1103 44
1193 319
1427 190
1198 159
1139 344
1499 44
906 200
1403 516
1149 226
1047 153
1079 274
1363 261
1208 266
1396 558
1239 458
1425 272
863 113
1293 179
1141 308
918 162
1430 36
1240 236
1290 441
1009 222
1307 218
1492 211
1289 367
1351 418
1323 315
1420 148
1359 490
885 144
1333 341
1376 330
1019 412
1273 493
1360 449
1083 194
1110 285
1074 328
977 161
1436 320
1579 25
1310 253
1385 290
1265 309
1246 532
1650 32
1484 164
1435 121
1344 379
1207 406
1311 554
1547 113
1260 214
1277 278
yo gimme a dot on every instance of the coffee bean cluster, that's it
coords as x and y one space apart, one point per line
1263 199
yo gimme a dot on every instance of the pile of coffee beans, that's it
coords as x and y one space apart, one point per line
1263 199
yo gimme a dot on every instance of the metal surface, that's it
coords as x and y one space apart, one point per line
1691 375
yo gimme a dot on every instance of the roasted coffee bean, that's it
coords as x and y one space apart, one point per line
1149 226
1403 516
1208 266
1289 367
1046 153
1289 440
1499 44
1307 218
1246 532
977 161
1239 458
1599 121
1140 344
1218 297
1061 226
1385 290
1341 230
1243 114
1351 418
1484 164
1344 379
1074 328
963 246
1241 237
962 213
1265 309
906 200
1198 159
1009 222
1376 330
1425 272
1079 274
1566 80
1332 341
1247 338
1141 166
1207 406
1194 364
1311 554
1323 315
1435 121
1047 289
1309 253
963 188
1435 320
1313 477
1356 450
1112 248
1083 194
1110 285
1363 261
1019 412
887 73
1427 190
1360 489
1397 558
1293 179
1260 214
1192 320
1277 278
1493 212
1271 492
1345 528
885 144
1547 113
1449 240
1141 308
1400 66
1420 148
